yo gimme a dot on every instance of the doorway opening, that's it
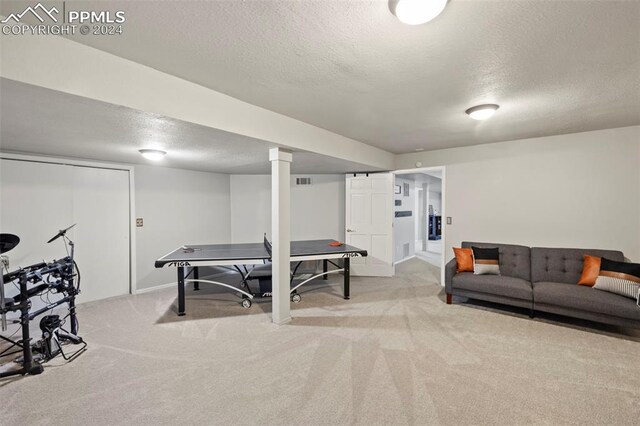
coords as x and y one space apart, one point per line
419 219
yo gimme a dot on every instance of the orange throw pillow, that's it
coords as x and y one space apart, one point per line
590 271
464 259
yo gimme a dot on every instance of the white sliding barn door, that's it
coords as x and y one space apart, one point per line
369 221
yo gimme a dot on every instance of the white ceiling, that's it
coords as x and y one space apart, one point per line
352 68
42 121
434 179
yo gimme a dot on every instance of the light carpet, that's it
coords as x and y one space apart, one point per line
394 354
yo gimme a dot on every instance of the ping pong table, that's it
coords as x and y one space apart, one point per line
187 260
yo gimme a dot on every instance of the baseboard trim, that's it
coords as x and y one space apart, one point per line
167 285
154 288
404 260
424 260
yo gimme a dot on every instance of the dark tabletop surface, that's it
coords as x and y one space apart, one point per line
252 251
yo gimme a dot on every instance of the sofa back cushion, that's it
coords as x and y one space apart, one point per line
515 261
564 265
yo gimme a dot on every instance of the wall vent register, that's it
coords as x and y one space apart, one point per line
303 181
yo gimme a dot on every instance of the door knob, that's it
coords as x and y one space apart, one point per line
351 230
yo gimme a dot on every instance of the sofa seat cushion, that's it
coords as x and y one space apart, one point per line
501 285
585 299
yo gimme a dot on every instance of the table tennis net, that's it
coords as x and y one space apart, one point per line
267 244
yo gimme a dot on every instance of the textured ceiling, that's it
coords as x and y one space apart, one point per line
350 67
42 121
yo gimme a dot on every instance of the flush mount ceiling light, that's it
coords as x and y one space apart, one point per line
416 12
482 112
153 154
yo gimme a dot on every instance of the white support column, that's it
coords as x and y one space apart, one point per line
280 233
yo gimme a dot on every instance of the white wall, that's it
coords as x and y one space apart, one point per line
404 227
576 190
178 207
251 207
317 210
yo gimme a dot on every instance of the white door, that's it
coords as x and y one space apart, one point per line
369 221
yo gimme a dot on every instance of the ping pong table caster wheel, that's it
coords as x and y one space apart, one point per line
296 298
246 303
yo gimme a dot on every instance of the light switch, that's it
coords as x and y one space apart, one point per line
448 220
139 222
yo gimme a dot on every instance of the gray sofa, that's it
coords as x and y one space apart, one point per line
544 279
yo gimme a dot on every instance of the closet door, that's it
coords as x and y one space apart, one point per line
38 199
101 236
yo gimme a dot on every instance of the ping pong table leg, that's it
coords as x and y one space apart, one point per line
325 264
181 291
196 276
347 273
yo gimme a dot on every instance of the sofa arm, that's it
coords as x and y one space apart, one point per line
449 272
